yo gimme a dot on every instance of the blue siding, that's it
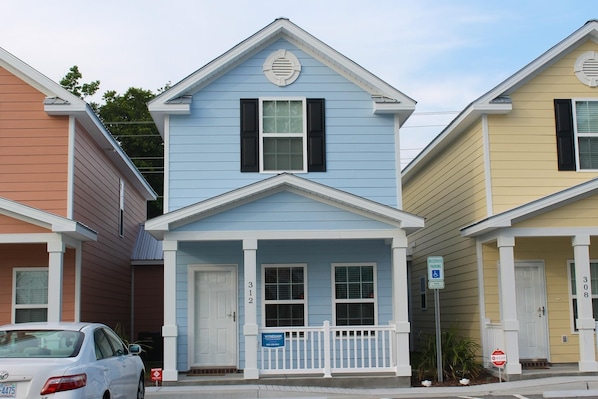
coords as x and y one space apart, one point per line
284 211
318 255
204 146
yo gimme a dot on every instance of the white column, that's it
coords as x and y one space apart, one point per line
56 250
250 328
508 302
583 287
400 305
170 328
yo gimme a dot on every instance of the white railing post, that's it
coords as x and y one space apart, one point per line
327 352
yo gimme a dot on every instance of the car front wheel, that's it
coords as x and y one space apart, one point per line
141 388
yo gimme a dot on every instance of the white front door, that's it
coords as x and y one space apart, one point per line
531 310
214 316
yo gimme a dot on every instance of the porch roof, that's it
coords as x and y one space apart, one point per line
531 209
283 182
47 220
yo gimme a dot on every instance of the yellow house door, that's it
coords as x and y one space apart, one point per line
531 310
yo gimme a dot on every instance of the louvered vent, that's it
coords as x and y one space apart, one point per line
282 67
586 68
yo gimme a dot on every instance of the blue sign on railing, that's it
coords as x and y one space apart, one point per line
272 339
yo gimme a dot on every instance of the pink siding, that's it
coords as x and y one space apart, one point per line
34 150
14 226
106 278
33 255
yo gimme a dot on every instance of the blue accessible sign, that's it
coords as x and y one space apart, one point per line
272 339
435 272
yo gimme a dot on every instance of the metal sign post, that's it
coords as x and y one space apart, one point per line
436 282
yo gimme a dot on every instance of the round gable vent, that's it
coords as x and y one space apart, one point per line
282 67
586 68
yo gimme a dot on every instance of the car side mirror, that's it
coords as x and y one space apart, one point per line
135 349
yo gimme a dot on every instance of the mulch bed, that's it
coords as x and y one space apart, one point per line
484 378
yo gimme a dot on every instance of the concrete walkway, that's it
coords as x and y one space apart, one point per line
550 387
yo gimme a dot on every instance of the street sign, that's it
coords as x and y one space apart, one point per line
156 375
435 272
498 358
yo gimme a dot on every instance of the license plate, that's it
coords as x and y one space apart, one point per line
8 390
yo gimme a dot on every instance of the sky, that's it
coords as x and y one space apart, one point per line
442 53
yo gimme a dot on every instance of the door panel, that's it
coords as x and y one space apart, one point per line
531 311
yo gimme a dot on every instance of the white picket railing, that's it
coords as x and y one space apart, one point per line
326 350
495 340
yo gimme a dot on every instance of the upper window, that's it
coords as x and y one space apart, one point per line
283 141
354 294
577 134
284 295
282 135
590 285
30 299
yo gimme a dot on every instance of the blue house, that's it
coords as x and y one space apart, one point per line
285 248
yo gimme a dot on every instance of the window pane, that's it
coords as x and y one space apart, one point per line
283 153
588 152
30 315
587 116
281 315
354 314
31 287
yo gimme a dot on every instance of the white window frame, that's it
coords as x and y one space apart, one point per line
284 301
16 306
263 135
373 300
577 135
572 283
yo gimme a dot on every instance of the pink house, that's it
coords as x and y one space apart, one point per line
71 202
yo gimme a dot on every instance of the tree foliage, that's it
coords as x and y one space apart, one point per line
127 118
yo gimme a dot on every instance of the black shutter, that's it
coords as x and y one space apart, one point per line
250 135
565 137
316 135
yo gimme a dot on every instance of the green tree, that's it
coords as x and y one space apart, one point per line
126 116
71 82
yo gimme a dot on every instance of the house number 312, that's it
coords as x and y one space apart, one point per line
250 287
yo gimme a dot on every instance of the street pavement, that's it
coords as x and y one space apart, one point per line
550 387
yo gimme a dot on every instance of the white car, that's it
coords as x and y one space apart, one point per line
68 361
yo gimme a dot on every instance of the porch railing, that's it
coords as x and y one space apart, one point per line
495 339
330 350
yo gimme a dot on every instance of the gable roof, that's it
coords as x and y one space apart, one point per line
531 209
289 182
177 99
60 101
50 221
497 100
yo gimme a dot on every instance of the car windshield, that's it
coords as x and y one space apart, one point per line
40 343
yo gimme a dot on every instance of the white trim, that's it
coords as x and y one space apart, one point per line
279 235
397 134
162 224
166 192
304 301
487 165
263 136
570 291
70 193
374 300
576 133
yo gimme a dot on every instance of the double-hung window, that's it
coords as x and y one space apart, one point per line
577 134
30 294
354 294
591 289
282 135
284 295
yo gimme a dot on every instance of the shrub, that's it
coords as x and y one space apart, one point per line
459 357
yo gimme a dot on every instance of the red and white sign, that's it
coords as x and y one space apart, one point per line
498 358
156 374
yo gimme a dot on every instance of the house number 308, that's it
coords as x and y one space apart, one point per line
586 287
250 287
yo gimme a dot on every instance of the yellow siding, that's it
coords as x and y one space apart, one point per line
583 213
449 194
523 143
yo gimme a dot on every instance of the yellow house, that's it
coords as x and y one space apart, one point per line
509 191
